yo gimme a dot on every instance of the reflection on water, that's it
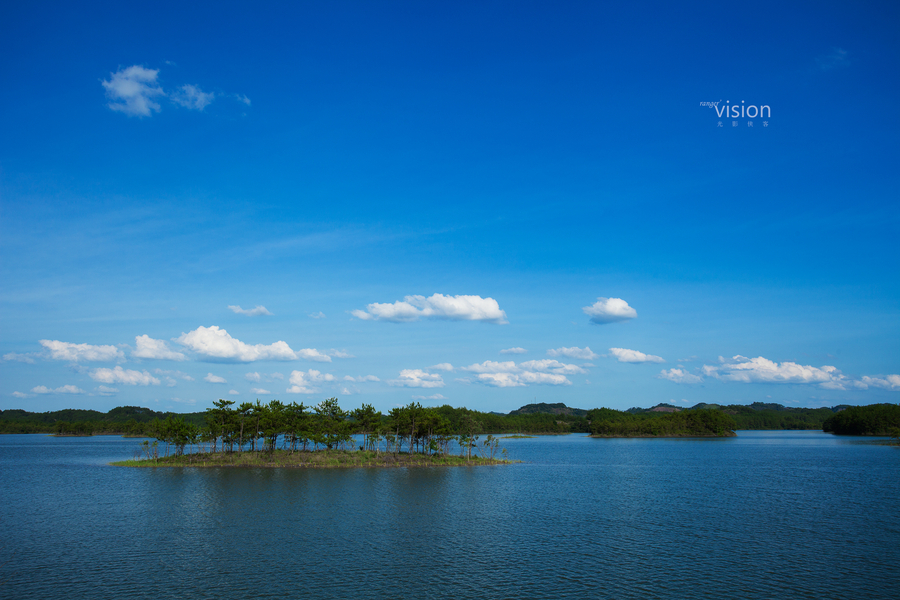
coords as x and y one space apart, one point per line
765 514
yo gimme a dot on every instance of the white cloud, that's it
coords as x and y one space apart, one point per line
132 91
441 367
250 312
318 315
177 374
432 397
214 342
302 383
437 306
257 377
339 354
574 352
679 376
313 355
260 391
214 378
609 310
521 379
417 378
106 391
633 356
234 392
242 98
762 370
21 395
361 378
551 366
890 382
25 358
191 96
76 352
509 374
516 350
147 347
66 389
126 376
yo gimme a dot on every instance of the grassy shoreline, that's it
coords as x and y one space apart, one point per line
322 459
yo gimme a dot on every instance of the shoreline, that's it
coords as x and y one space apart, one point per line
320 459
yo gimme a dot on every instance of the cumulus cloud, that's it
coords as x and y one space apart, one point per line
609 310
234 392
890 382
147 347
191 96
440 367
214 378
66 389
106 391
317 315
215 343
126 376
303 383
679 376
361 378
761 370
417 378
260 391
509 374
250 312
432 397
574 352
21 395
257 377
339 354
177 374
437 306
633 356
516 350
132 91
77 352
12 356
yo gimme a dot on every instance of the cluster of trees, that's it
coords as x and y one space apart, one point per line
294 427
700 422
875 419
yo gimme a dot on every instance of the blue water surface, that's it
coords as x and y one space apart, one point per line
763 515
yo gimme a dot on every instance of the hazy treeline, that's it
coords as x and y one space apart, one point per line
122 420
699 422
875 419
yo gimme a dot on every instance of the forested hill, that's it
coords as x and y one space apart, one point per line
122 419
553 409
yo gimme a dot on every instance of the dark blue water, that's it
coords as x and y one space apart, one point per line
763 515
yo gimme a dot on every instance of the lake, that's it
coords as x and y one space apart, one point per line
762 515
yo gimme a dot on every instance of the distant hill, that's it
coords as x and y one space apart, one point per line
554 409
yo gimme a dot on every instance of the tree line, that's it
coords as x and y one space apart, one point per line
606 422
294 427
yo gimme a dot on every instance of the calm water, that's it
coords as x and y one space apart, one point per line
763 515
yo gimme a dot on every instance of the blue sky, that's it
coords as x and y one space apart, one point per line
480 204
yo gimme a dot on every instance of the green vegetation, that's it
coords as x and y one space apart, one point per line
123 420
875 419
319 436
311 459
606 422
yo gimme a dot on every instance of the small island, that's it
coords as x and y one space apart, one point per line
278 435
322 459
